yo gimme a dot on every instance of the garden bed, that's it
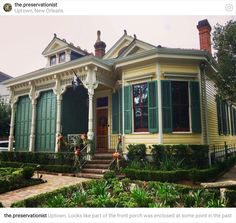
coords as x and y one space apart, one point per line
16 178
126 193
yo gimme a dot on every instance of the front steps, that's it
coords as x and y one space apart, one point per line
95 168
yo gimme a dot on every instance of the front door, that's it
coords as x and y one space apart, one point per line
102 130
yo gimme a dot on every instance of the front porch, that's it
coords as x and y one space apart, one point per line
47 107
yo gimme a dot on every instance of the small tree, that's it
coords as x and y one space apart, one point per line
224 38
5 115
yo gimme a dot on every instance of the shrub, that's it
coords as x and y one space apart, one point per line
230 196
49 168
196 175
109 175
190 155
28 172
137 152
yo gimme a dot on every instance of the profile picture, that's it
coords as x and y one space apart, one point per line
7 7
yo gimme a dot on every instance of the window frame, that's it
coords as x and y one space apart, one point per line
189 109
139 130
51 59
62 53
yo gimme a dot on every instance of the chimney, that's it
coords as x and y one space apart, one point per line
99 46
204 29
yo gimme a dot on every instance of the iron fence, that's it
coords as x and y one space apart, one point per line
220 153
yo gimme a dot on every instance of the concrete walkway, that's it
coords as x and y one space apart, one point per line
229 176
53 182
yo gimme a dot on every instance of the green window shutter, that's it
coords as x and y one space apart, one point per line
46 122
120 111
234 121
227 118
23 123
127 110
166 106
219 115
115 113
152 107
224 117
195 107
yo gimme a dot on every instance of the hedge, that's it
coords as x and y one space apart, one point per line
12 179
202 175
35 201
230 196
38 158
48 168
193 156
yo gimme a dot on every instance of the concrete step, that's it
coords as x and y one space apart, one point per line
103 156
94 171
93 161
90 175
96 166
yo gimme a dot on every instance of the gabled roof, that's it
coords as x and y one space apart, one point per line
4 76
58 44
124 41
127 45
136 46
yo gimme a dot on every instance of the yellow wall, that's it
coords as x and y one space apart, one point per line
213 136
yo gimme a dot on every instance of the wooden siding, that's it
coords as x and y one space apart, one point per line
23 123
145 138
182 138
213 135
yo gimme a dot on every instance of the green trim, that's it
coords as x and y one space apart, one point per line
152 107
166 106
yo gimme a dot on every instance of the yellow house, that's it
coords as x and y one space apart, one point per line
145 93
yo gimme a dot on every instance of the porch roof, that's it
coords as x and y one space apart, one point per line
81 62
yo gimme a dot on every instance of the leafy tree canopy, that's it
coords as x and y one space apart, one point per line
224 38
5 113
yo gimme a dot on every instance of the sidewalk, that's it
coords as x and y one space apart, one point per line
53 182
229 176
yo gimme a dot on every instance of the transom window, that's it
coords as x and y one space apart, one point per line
62 57
140 105
180 106
52 60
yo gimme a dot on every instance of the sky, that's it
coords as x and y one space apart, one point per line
23 38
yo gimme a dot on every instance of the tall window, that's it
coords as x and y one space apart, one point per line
140 104
52 60
62 57
180 106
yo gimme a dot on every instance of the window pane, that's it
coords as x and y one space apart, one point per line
102 102
140 102
180 106
52 60
62 57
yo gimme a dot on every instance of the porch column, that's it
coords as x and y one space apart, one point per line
33 121
58 92
58 122
91 84
12 126
90 115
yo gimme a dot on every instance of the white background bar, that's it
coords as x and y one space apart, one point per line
128 7
118 215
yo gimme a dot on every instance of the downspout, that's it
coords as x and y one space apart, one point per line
158 75
204 104
123 115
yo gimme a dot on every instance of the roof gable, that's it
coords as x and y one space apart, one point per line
114 51
136 46
55 45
